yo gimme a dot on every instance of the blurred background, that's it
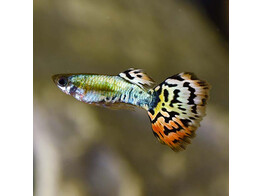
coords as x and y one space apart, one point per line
87 150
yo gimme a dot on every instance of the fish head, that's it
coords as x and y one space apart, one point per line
65 83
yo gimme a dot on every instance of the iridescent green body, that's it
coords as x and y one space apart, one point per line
109 91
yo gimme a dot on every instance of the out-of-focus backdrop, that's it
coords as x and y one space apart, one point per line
87 150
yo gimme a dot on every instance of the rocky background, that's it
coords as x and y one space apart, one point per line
84 150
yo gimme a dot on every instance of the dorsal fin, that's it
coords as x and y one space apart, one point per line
137 76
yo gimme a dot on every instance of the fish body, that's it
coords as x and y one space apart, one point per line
104 90
175 107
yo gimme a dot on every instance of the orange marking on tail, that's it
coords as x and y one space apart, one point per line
165 114
182 125
150 115
173 124
173 135
159 127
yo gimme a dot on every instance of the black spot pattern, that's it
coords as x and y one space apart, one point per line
151 111
156 135
201 83
204 102
192 93
175 141
170 85
174 130
136 72
194 109
128 75
185 121
161 134
166 95
171 115
175 99
156 118
177 77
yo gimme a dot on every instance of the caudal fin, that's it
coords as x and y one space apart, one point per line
178 107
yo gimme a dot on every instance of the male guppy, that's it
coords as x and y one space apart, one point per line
175 107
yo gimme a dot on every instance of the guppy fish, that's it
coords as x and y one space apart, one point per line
175 107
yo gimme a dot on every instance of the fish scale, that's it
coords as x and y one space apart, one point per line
109 90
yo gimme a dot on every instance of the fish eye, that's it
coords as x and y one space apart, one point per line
62 81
